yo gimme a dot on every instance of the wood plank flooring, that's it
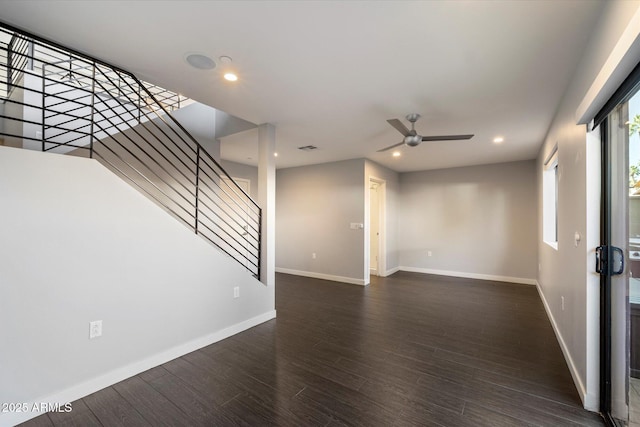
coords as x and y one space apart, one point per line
409 350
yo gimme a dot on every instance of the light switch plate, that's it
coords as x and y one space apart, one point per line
95 329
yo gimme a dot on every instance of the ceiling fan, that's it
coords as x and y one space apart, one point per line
411 137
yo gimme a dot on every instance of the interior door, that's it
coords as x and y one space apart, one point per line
374 236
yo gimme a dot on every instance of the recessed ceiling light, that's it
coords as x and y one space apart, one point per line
275 154
498 140
396 154
230 77
199 61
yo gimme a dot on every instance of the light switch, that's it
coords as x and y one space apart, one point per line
357 226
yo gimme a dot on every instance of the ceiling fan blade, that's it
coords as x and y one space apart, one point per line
390 147
399 126
446 137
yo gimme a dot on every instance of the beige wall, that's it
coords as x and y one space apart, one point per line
478 220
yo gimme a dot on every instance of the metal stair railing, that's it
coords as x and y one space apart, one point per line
61 101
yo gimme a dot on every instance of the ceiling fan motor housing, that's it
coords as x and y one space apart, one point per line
412 140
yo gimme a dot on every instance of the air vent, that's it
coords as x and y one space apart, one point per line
308 148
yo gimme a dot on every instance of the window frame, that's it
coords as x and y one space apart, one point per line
550 189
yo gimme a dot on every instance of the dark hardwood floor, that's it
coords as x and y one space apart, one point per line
410 349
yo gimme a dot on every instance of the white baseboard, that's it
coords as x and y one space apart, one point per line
391 271
84 389
495 278
588 401
410 269
323 276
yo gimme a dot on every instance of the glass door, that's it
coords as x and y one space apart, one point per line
619 262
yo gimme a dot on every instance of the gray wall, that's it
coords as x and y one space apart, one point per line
160 290
479 220
314 208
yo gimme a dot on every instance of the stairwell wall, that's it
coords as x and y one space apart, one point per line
79 245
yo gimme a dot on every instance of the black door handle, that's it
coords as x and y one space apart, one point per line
602 260
617 261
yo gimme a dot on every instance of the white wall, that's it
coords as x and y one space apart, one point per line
77 250
238 170
11 109
568 271
201 122
314 208
477 221
126 116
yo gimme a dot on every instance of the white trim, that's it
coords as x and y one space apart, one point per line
552 157
618 66
496 278
350 280
382 225
322 276
390 272
590 402
86 388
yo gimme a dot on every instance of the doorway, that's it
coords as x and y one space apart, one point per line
377 194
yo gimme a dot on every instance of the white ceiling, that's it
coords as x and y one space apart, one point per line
330 73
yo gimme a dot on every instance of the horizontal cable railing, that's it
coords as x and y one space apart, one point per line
64 102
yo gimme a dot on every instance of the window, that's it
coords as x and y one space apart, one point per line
550 200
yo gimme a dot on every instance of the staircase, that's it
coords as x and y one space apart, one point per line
59 101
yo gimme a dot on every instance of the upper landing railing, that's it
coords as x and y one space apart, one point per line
56 100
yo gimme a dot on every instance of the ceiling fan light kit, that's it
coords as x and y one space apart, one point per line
411 137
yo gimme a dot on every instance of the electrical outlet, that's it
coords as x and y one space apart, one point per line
313 255
95 329
236 292
562 302
429 253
